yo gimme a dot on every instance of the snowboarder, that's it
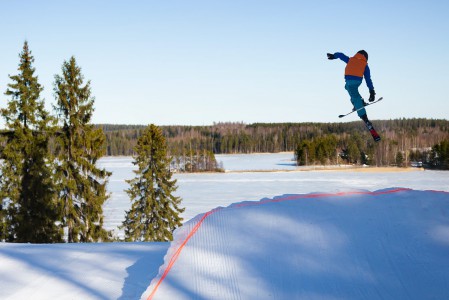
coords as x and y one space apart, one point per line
356 69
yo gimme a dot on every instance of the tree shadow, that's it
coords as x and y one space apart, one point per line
93 271
48 265
145 268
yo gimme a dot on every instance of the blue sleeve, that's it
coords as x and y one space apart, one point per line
341 56
367 75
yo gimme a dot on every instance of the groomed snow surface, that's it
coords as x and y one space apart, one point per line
387 244
331 235
78 271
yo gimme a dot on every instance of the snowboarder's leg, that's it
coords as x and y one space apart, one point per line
365 119
352 86
370 128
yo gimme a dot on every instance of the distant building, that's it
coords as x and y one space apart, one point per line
416 164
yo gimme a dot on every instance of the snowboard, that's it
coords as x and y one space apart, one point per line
368 124
368 104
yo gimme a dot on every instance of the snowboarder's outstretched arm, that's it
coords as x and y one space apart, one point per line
339 55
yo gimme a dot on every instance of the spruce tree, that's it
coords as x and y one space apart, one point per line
2 223
26 181
81 184
154 213
3 202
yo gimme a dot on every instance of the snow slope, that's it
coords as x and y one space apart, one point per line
78 271
387 244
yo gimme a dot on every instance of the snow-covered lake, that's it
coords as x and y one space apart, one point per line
257 162
202 192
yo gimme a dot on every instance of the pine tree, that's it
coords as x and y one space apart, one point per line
154 213
3 195
399 159
81 185
439 155
26 181
3 203
2 223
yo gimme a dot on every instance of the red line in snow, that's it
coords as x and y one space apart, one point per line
434 191
175 256
287 198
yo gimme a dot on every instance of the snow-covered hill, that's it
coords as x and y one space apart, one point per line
387 244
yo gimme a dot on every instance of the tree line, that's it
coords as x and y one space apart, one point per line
403 140
51 189
332 149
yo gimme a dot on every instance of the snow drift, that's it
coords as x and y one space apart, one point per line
386 244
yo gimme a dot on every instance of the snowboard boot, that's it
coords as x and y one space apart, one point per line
367 122
364 104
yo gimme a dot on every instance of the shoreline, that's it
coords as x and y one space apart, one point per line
361 169
377 169
314 168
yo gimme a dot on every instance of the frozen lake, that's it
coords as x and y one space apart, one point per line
202 192
257 162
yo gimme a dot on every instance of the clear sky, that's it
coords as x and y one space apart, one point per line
199 62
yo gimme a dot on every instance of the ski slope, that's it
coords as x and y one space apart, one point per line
386 244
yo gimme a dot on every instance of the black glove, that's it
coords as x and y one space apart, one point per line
372 95
330 56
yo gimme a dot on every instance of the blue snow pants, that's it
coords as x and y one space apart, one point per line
352 86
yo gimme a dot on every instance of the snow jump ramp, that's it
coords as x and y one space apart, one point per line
386 244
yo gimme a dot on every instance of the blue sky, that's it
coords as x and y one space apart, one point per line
199 62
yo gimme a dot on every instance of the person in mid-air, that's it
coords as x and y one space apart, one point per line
356 69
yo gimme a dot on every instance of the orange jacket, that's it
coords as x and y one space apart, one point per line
356 68
356 65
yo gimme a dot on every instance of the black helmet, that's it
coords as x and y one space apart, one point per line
364 53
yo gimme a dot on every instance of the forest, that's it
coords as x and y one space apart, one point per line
404 141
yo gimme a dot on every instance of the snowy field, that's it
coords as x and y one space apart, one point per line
365 244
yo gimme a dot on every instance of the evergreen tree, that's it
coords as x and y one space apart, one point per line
26 180
3 195
2 223
3 199
399 159
439 156
81 185
154 213
306 153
